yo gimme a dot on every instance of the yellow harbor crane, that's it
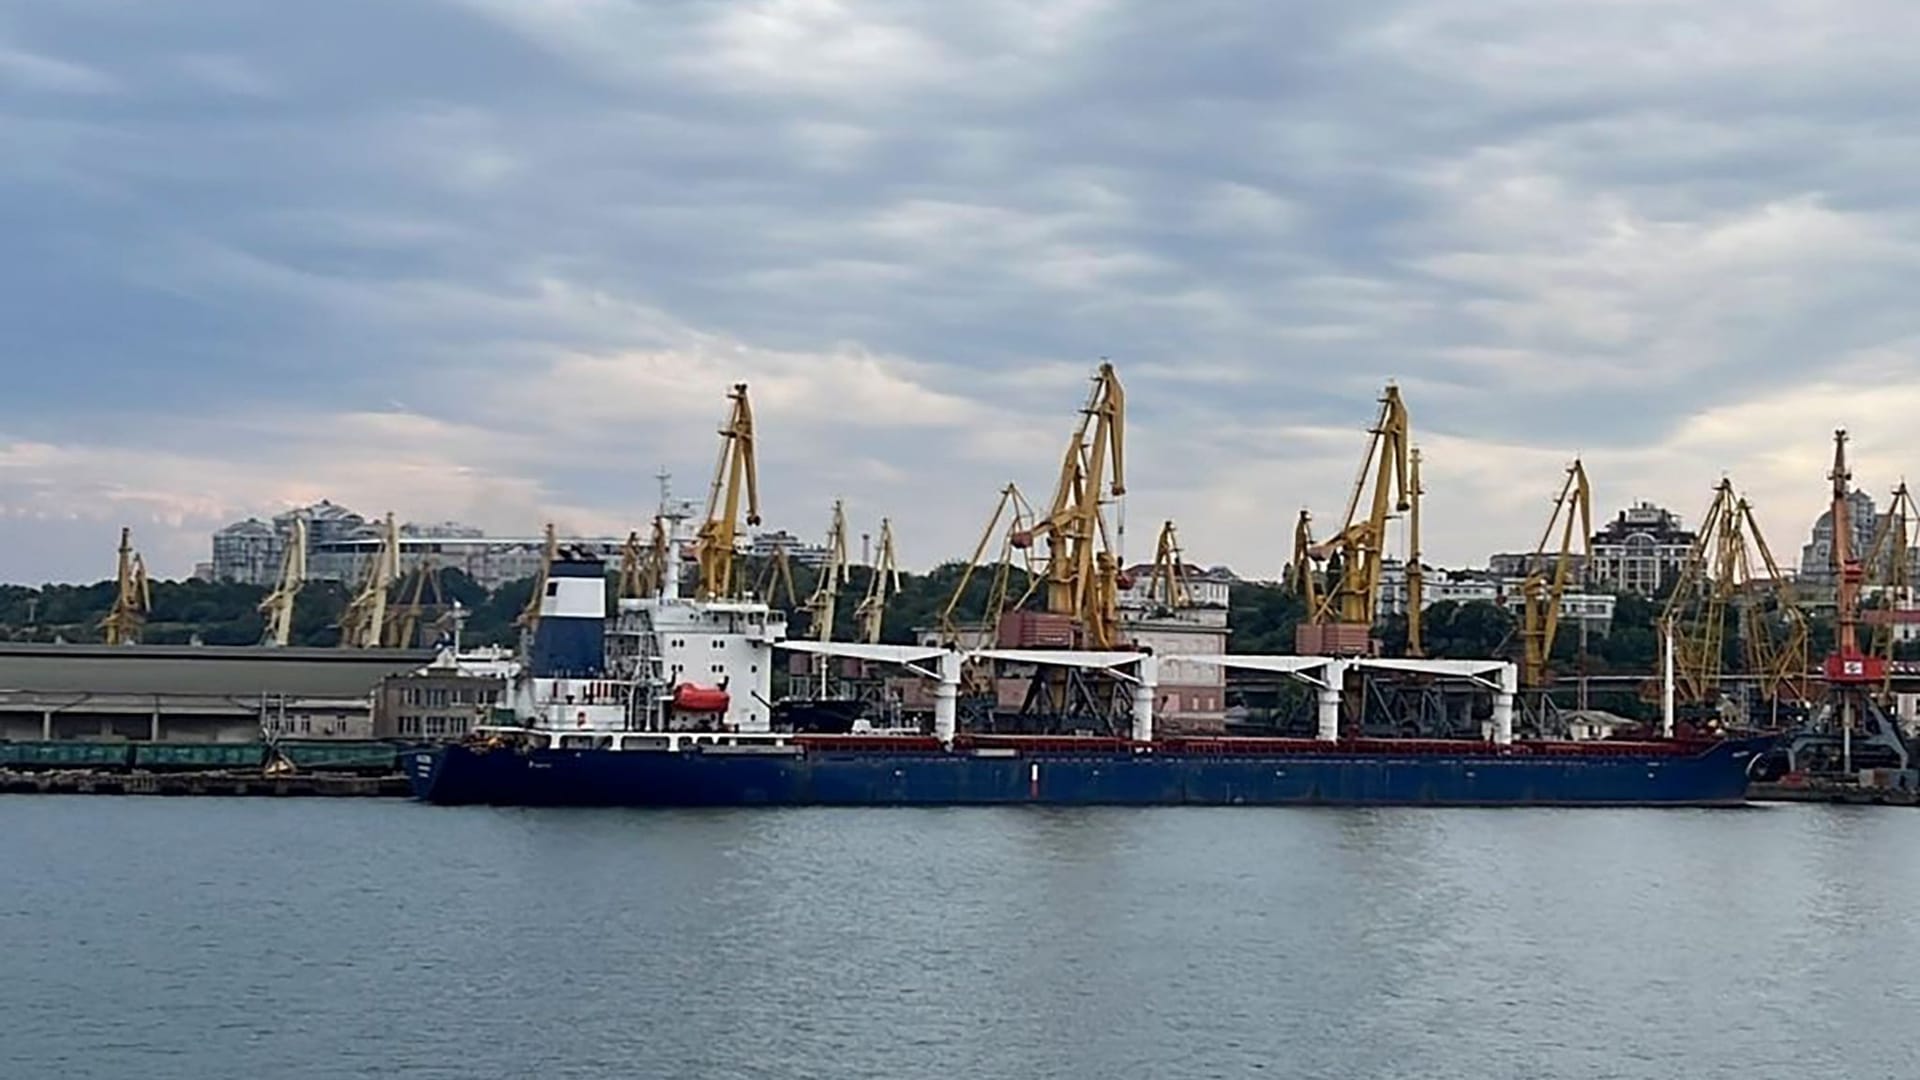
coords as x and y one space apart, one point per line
823 606
1890 569
735 478
1341 611
132 597
404 623
1018 517
529 617
643 567
882 584
775 584
1550 570
278 606
1082 572
1167 586
364 624
1731 564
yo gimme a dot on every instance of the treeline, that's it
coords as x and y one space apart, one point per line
225 613
1262 617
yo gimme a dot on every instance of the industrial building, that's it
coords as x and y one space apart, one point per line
191 693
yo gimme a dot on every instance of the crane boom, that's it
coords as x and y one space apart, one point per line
1019 515
883 584
1168 584
132 597
1542 591
1730 563
1353 558
1082 571
736 478
825 601
278 606
1891 561
364 625
550 550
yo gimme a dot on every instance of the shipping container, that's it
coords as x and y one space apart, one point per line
1333 639
1036 630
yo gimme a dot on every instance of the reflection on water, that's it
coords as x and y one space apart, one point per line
203 938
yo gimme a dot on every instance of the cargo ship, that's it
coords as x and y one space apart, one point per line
669 703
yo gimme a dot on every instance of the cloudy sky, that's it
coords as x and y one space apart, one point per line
497 260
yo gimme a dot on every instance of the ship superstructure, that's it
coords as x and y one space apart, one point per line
661 663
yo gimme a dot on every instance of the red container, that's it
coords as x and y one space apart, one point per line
1036 630
1333 639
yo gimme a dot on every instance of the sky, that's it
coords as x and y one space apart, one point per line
499 260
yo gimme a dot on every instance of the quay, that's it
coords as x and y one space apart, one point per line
226 783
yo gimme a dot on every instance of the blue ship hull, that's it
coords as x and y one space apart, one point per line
1476 774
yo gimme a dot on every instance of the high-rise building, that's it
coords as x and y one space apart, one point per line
1639 551
1816 556
248 552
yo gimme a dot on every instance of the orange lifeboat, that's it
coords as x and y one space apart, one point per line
688 697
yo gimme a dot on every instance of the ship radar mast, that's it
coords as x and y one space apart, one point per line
672 516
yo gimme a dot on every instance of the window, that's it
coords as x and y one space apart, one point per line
553 588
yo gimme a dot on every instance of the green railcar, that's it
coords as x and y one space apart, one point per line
369 757
45 755
197 757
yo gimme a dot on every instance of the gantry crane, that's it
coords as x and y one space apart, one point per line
1351 561
1731 564
278 606
365 625
1018 516
1549 571
882 584
1082 572
132 597
736 479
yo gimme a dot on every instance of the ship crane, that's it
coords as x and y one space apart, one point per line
736 480
364 625
278 606
132 597
882 584
1342 612
1082 571
1544 588
1018 517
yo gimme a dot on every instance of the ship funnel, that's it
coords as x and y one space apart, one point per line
570 639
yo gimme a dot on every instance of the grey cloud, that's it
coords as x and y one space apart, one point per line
1560 228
